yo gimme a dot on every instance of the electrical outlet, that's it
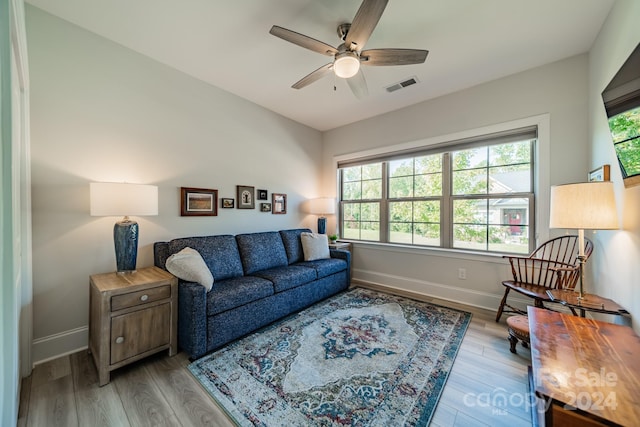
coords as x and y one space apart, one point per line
462 273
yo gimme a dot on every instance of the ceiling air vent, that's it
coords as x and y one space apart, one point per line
408 82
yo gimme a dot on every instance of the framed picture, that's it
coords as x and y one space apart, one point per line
246 197
198 202
262 195
600 174
265 207
279 203
228 203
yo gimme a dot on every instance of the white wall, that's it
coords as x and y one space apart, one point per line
616 265
101 112
557 91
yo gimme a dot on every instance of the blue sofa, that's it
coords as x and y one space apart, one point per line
258 278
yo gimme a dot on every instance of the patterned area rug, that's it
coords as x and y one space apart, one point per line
359 358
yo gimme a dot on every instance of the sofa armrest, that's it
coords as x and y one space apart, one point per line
341 254
160 254
192 318
345 255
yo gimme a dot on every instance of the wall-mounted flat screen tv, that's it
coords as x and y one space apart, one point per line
622 103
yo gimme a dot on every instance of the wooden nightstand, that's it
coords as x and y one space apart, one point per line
340 245
131 316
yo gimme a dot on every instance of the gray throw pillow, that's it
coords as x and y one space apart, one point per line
189 265
315 246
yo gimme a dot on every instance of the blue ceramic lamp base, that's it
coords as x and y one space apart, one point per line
125 239
322 225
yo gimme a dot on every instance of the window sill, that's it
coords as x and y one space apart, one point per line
431 251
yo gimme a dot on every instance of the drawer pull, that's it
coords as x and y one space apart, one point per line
119 340
144 297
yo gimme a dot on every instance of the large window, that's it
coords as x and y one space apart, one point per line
472 195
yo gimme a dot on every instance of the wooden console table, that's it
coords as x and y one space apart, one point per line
585 372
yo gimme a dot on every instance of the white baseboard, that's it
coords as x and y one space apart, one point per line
466 296
61 344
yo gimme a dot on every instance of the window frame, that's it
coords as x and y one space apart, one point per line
530 132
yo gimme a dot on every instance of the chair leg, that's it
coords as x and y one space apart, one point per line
502 303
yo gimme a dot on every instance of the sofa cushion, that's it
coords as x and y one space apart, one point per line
325 267
220 253
235 292
261 251
292 244
188 265
284 278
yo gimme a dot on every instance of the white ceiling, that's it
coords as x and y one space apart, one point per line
227 44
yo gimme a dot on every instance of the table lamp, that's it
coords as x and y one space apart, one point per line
587 205
116 199
322 206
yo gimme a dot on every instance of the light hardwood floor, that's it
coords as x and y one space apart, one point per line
487 386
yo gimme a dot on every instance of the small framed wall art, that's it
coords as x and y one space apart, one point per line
198 202
262 195
279 203
600 174
246 197
265 207
228 203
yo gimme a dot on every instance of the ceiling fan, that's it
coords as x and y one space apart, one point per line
348 57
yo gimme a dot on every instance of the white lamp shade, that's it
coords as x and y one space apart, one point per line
588 205
120 199
322 206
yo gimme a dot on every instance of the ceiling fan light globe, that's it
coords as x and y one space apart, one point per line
346 66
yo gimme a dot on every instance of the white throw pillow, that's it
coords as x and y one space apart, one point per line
189 265
315 246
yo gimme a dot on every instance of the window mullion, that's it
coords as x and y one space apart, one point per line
339 197
384 204
446 204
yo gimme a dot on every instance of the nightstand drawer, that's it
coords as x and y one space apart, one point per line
132 299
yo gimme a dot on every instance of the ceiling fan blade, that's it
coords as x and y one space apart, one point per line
364 23
313 76
303 41
393 56
358 85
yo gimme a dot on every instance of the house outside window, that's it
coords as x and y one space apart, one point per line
473 195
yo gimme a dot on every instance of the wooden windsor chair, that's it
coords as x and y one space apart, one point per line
553 265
